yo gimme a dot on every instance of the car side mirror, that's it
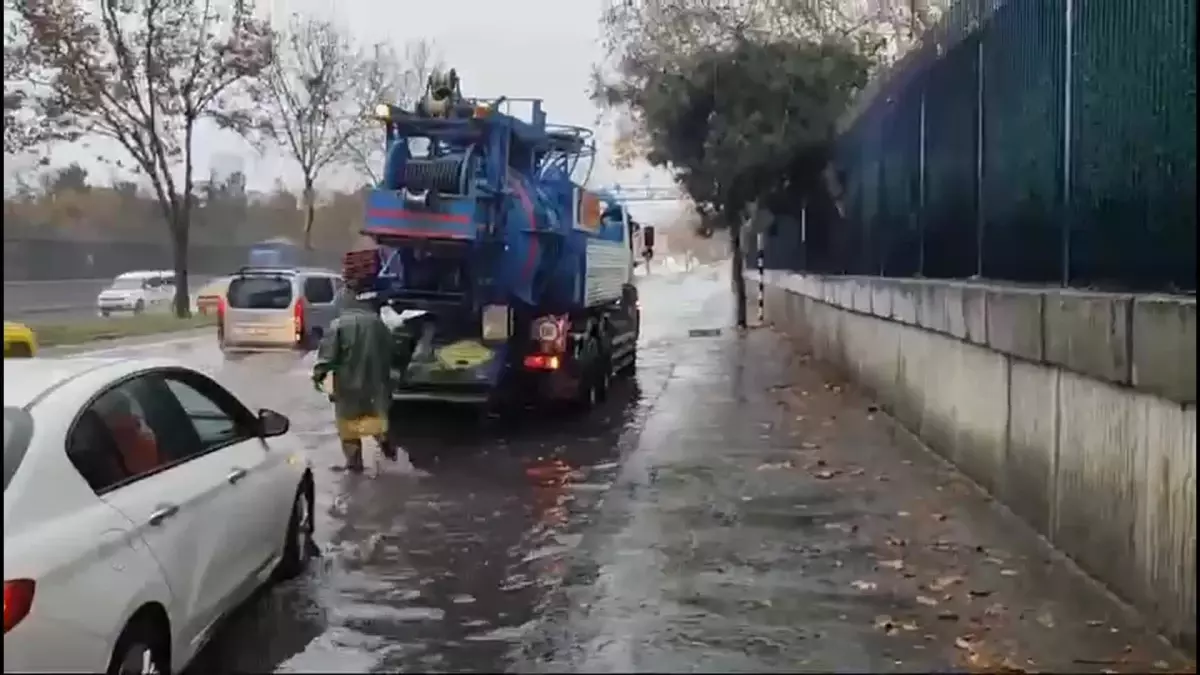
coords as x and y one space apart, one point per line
272 424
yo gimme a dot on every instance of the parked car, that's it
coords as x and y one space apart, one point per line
19 340
143 502
277 307
208 298
137 292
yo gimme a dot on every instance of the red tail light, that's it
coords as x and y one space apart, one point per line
18 600
542 362
298 318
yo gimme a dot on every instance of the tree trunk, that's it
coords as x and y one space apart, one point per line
310 212
179 251
739 277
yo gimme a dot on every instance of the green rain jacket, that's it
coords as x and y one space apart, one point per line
358 351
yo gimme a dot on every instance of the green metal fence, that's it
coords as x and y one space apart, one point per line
1030 140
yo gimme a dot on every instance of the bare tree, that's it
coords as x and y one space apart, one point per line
321 88
143 73
401 82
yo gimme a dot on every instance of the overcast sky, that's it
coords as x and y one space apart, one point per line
517 48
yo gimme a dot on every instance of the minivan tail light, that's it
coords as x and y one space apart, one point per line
298 318
18 600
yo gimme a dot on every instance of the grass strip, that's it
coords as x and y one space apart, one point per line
92 329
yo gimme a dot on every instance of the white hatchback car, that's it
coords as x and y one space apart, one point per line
142 503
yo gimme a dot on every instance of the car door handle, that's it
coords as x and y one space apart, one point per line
236 475
163 512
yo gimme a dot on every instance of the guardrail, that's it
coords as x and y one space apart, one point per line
63 296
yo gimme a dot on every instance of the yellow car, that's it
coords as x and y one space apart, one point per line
19 340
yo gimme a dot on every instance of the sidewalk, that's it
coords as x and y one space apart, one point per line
770 520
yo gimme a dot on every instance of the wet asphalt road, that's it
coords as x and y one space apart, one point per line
730 511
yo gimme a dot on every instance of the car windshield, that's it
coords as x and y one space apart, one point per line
17 430
127 284
260 293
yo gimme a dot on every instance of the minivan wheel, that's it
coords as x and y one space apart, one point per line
139 651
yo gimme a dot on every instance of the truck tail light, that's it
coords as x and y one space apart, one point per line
542 362
18 600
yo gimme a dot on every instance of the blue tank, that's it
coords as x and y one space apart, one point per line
490 200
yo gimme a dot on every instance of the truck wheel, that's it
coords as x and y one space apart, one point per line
589 393
602 379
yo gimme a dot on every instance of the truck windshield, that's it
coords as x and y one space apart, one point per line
18 427
260 293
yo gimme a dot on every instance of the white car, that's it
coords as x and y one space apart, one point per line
137 292
142 503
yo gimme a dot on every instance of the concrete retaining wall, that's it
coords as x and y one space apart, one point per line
1076 410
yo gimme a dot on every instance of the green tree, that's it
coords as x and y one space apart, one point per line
142 74
739 99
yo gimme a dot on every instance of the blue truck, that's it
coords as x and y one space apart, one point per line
504 279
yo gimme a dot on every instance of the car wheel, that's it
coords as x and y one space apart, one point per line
104 313
18 350
298 547
140 650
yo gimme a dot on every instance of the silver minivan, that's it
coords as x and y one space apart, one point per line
277 307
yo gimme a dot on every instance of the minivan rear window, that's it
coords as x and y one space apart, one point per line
260 293
18 429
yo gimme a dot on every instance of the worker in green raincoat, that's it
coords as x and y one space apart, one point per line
357 351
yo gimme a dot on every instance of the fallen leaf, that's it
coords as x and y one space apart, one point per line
895 541
800 418
947 616
962 643
978 593
1009 573
882 478
885 624
927 601
903 514
1046 619
808 445
826 475
857 472
995 610
774 466
1095 623
892 564
861 585
939 517
909 626
942 583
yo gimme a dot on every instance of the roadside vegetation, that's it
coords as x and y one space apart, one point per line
741 99
64 332
142 77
